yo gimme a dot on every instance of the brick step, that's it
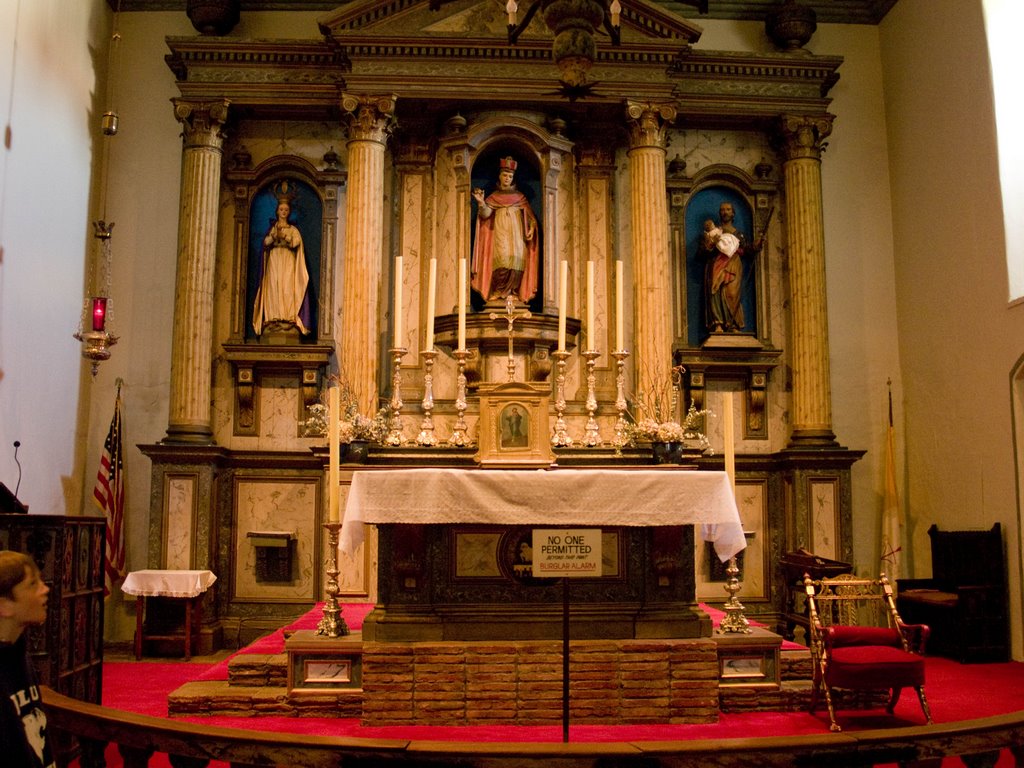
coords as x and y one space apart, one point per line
795 665
257 685
218 697
258 669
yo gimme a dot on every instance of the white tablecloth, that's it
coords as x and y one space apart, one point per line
153 583
551 498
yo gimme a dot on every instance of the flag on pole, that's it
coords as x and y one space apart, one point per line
891 524
109 497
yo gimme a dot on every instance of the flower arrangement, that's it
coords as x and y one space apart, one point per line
352 425
656 420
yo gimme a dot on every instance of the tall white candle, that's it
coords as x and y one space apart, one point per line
620 336
462 303
431 288
398 302
563 288
591 337
730 439
335 456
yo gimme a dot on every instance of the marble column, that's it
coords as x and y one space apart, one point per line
190 418
370 123
800 139
651 269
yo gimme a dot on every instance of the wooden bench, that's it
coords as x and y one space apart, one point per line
964 602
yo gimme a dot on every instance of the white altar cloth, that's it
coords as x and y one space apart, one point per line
550 498
154 583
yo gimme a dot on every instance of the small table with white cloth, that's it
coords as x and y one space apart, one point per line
438 528
185 585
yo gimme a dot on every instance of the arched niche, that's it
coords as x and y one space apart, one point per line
701 201
747 356
315 212
541 154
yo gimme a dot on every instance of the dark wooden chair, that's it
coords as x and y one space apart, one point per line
964 602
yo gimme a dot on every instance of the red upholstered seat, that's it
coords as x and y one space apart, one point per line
851 656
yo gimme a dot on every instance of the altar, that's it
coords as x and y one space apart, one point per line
453 557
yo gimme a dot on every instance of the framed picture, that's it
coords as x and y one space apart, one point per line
514 425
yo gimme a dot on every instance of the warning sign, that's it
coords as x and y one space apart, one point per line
568 552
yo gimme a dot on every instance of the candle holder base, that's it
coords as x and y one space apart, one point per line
734 621
395 435
459 437
426 437
560 438
621 438
591 434
332 623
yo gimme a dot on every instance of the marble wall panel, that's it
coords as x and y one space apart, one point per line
823 507
180 509
283 505
752 501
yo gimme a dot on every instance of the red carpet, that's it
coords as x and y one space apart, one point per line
955 692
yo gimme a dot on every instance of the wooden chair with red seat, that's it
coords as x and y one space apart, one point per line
858 642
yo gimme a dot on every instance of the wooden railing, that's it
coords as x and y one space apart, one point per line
977 742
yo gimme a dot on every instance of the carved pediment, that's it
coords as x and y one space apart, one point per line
453 47
643 22
459 54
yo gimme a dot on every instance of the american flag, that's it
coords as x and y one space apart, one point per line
109 497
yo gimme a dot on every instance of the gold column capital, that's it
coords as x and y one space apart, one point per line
647 122
802 136
203 121
370 117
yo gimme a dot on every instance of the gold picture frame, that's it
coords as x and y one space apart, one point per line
513 428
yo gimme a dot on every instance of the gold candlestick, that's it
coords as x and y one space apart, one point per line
332 623
620 438
395 434
426 435
734 620
591 435
560 437
459 436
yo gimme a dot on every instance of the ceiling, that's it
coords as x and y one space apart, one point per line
828 11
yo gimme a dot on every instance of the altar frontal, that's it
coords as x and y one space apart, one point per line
456 551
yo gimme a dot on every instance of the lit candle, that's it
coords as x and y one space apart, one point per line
563 288
462 304
619 320
335 457
431 286
730 445
591 337
99 313
398 303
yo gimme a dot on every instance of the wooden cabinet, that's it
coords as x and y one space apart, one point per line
68 648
